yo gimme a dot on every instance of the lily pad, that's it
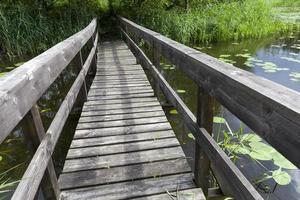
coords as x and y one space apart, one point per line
173 112
180 91
219 120
45 110
281 177
224 56
2 74
281 161
251 137
260 155
244 55
190 135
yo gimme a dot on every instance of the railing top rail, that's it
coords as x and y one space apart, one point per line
22 87
268 108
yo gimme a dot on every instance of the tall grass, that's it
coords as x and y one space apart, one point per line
22 32
229 20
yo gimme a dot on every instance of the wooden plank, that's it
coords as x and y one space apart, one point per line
107 92
252 99
111 55
189 194
125 96
122 130
120 101
120 111
111 107
101 141
122 77
118 67
118 123
134 189
141 84
124 173
119 72
122 148
239 186
116 160
117 82
121 117
118 62
34 77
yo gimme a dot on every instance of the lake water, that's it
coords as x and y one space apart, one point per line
277 59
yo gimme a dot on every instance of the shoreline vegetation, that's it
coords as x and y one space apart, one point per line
30 27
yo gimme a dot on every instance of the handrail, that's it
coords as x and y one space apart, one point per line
23 87
268 108
34 77
238 183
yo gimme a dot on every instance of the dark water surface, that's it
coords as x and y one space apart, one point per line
277 59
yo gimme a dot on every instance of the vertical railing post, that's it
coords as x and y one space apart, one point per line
94 62
82 95
35 132
204 120
156 62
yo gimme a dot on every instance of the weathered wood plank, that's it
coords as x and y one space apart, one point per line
239 186
121 117
125 96
120 123
120 111
122 130
119 73
101 141
95 106
122 77
141 84
252 99
134 189
122 148
117 82
190 194
115 160
124 91
119 174
34 78
121 101
116 62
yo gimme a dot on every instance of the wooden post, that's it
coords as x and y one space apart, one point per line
156 62
94 62
204 120
35 132
82 96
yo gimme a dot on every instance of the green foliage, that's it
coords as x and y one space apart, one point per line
238 143
210 21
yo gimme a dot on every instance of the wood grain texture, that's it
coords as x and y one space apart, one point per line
233 178
260 103
34 78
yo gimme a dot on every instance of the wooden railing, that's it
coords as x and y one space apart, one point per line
22 88
269 109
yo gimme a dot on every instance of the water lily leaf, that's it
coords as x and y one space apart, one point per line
198 48
172 68
1 158
224 56
235 43
190 135
244 55
2 73
251 137
281 177
260 146
173 112
239 149
9 68
19 64
260 155
281 161
270 71
180 91
45 110
219 120
165 68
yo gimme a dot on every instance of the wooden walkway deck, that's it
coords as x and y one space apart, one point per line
124 146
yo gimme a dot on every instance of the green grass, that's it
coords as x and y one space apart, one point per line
226 21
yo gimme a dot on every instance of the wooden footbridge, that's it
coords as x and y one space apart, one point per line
124 146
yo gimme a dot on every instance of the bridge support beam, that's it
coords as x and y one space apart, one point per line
204 120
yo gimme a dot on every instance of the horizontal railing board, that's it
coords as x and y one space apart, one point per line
268 108
29 184
34 77
237 183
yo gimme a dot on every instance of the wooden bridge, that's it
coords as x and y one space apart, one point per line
124 146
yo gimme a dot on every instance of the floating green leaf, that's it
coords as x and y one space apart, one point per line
190 135
290 59
224 56
219 120
1 158
260 155
180 91
244 55
9 68
45 110
251 137
2 74
281 177
281 161
173 112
